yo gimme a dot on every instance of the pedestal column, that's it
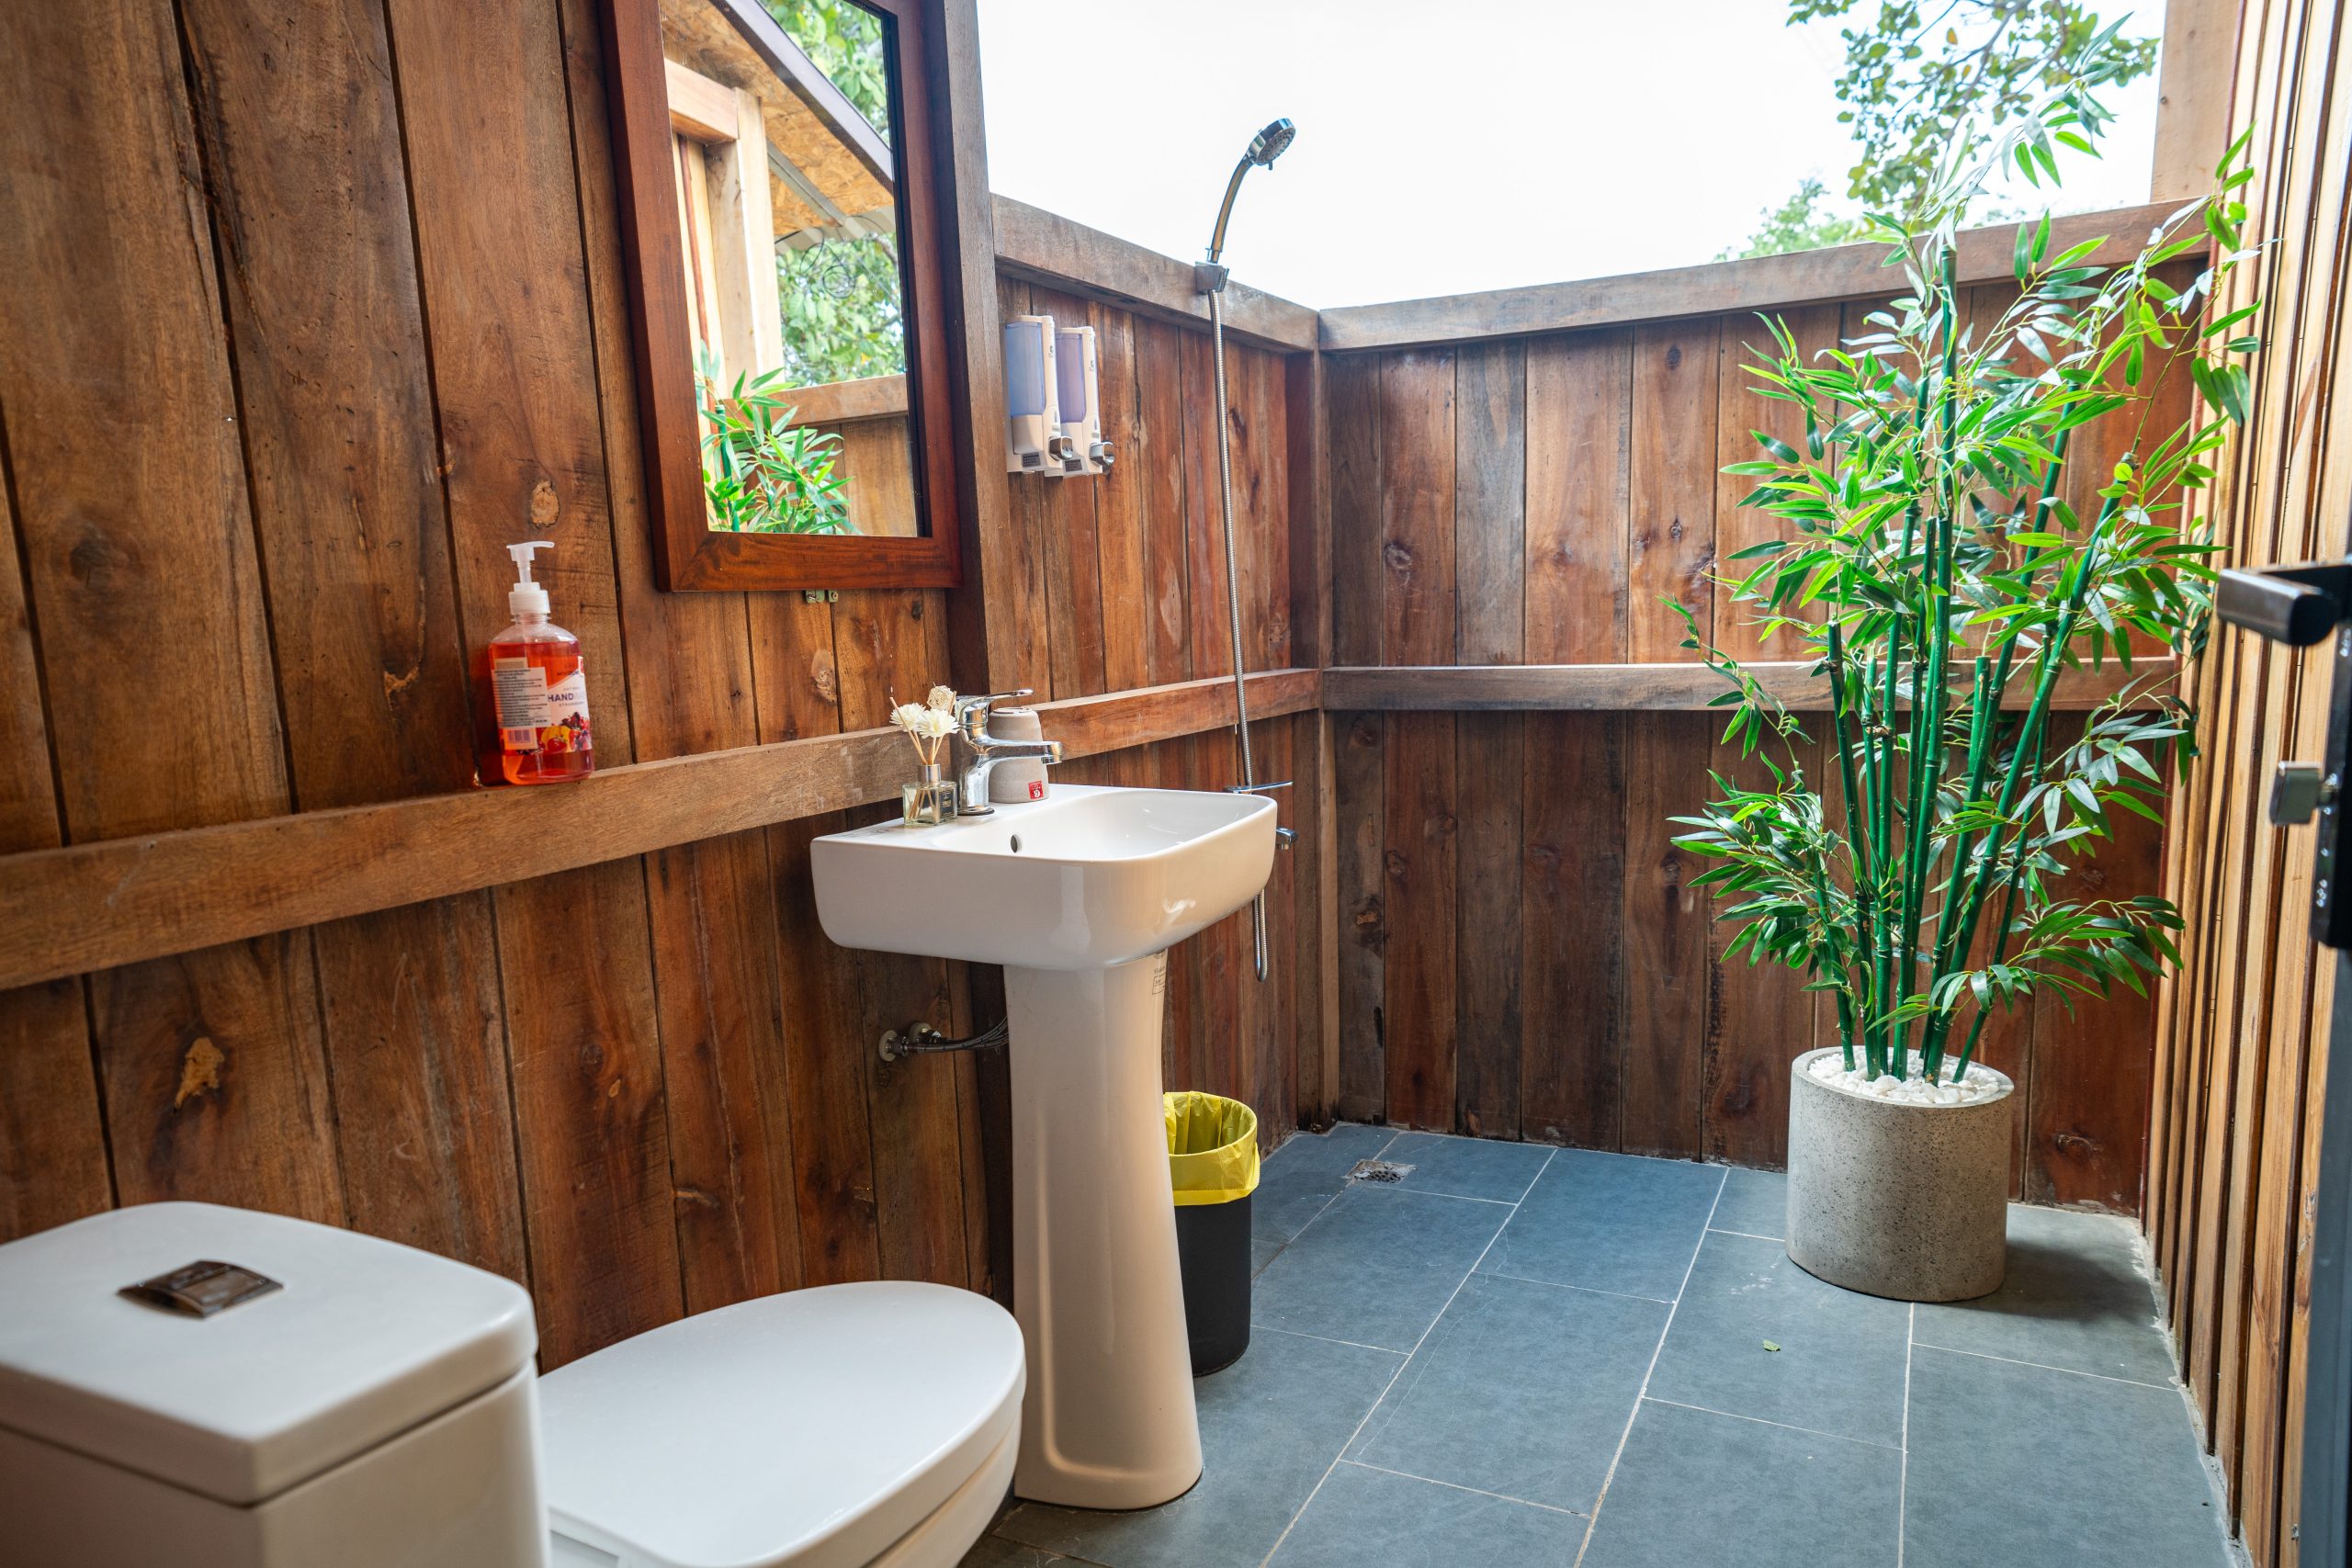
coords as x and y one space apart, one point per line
1108 1421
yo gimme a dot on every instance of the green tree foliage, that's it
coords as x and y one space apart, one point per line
1798 224
1928 85
842 296
844 39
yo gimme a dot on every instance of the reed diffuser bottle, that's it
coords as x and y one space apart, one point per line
538 689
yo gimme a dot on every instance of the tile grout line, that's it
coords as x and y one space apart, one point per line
1588 1290
1302 1334
1611 1474
1749 1235
1903 1473
2044 1367
1457 1486
1761 1421
1370 1411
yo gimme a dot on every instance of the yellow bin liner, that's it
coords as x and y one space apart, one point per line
1212 1147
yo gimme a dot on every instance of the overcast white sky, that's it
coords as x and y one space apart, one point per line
1443 145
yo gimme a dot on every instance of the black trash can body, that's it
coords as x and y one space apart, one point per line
1213 1253
1212 1170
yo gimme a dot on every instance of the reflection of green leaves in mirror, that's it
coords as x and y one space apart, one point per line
761 474
842 317
844 39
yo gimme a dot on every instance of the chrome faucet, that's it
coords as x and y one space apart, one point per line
982 751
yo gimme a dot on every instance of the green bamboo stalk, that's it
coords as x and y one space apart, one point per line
1866 939
1932 666
1985 721
2028 738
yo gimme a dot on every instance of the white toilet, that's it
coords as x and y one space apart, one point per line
363 1404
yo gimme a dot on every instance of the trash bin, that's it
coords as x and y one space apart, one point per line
1213 1165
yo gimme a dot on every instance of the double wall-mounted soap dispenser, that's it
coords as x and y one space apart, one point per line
1053 399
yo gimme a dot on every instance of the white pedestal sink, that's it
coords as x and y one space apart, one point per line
1079 896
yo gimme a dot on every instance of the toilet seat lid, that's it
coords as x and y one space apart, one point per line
813 1429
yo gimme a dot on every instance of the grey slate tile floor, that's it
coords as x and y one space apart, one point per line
1518 1355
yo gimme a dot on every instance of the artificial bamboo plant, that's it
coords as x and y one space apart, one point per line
1936 574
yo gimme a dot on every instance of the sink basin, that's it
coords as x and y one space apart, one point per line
1088 878
1079 896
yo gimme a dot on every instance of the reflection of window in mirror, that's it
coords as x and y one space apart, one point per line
781 118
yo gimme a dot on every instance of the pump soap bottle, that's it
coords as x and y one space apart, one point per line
538 688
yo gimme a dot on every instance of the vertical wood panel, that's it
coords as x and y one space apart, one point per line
1492 750
424 1123
1156 456
1072 562
52 1143
1666 937
1419 853
1490 504
1673 546
1579 437
1417 479
1019 610
1119 507
1490 611
1360 818
1572 928
1352 437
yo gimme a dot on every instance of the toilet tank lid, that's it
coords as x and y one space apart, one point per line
364 1340
811 1429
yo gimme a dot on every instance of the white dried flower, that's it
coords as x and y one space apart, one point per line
938 723
909 717
942 699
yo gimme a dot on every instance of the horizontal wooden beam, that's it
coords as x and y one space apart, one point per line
1783 282
1044 247
1622 688
841 403
95 906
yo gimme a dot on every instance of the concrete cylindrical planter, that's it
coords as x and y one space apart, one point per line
1893 1200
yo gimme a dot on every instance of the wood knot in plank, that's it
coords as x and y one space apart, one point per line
544 504
199 1071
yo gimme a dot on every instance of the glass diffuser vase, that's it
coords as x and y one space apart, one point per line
929 801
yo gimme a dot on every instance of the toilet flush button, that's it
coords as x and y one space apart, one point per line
201 1289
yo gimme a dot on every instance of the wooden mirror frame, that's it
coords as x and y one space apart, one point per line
689 553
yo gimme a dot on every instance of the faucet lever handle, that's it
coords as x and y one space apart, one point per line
965 705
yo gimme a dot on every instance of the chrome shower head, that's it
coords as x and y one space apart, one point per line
1264 148
1270 143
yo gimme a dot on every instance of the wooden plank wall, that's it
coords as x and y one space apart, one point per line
2242 1033
275 390
1521 955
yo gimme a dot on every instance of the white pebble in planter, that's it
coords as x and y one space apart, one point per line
1901 1197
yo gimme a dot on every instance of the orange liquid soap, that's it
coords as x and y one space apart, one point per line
538 690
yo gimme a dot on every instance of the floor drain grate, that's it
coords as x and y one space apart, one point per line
1379 1170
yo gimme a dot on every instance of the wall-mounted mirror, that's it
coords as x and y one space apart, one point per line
780 215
